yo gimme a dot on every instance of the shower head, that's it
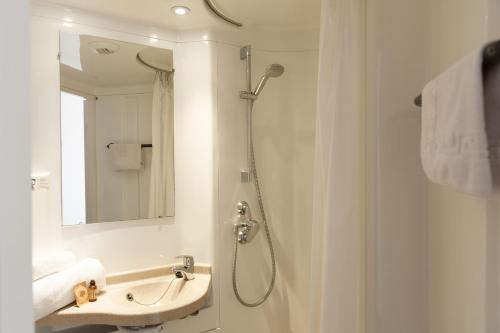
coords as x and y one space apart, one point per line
274 70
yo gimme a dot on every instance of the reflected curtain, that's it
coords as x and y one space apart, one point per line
161 189
338 260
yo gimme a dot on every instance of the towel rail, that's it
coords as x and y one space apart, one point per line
491 55
144 145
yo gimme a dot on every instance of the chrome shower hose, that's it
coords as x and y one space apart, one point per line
266 227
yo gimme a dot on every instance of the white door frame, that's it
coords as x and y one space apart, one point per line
15 155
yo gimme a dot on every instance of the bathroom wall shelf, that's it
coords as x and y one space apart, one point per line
491 56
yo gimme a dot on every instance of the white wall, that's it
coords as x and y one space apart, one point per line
130 245
396 201
284 140
122 118
15 212
433 253
459 225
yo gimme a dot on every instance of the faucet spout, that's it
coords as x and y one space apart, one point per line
181 273
186 270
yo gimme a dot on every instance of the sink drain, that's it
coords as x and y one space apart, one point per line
130 297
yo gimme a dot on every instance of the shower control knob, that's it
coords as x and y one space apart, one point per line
243 208
245 227
242 237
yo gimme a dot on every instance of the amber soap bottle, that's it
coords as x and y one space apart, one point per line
92 289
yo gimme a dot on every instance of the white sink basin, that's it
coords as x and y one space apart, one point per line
139 298
154 293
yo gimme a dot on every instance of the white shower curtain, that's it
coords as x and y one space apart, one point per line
161 189
338 296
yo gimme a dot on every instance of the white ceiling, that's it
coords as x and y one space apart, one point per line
294 14
113 70
274 14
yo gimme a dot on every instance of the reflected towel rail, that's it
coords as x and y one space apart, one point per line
144 145
491 55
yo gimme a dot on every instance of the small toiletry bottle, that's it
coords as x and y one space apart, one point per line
92 291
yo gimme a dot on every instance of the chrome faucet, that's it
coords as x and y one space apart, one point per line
245 228
186 270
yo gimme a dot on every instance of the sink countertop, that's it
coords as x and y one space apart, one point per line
112 308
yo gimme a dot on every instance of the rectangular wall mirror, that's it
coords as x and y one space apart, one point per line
117 130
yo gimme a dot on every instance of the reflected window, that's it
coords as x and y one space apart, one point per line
73 158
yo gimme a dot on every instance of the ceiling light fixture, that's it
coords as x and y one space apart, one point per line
67 22
153 38
180 10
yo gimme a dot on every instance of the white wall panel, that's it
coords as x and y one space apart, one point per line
284 118
457 224
15 211
396 197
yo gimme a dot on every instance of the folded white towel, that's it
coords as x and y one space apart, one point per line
56 291
126 156
52 263
454 146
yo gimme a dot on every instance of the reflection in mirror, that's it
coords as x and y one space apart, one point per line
117 130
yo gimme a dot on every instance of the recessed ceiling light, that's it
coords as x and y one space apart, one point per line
180 10
67 22
153 38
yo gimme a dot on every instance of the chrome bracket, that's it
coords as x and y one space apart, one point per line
248 95
245 52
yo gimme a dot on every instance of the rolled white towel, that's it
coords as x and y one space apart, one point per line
56 291
52 263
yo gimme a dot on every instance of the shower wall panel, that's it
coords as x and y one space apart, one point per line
284 117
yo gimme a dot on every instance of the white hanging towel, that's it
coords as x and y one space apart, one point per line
454 144
126 156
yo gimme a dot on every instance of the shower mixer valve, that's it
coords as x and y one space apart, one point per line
244 226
